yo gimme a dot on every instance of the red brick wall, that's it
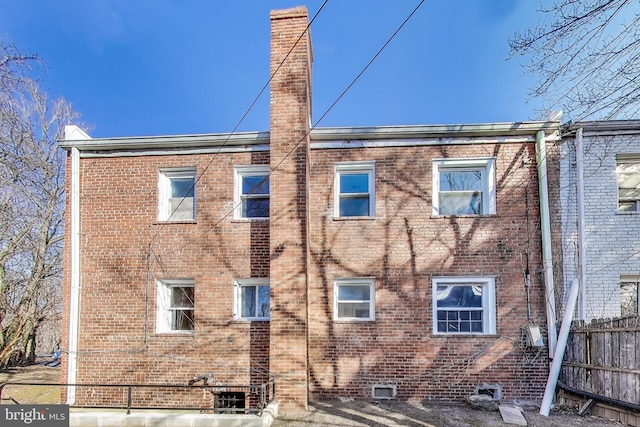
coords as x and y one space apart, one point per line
118 203
403 247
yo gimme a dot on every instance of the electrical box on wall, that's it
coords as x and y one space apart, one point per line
534 337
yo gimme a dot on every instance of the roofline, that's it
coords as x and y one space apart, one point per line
603 127
317 134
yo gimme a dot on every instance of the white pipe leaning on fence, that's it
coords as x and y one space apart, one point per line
554 372
545 227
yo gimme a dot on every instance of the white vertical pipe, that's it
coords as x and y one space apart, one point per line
582 267
545 226
74 301
554 372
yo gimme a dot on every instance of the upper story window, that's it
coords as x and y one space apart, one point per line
251 193
464 187
252 299
628 176
464 305
175 305
354 189
354 299
176 189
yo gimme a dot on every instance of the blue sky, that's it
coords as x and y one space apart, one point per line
160 67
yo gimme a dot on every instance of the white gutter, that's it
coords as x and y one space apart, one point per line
582 267
554 372
545 225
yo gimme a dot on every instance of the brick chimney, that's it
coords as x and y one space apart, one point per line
289 151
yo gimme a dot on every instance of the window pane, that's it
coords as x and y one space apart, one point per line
628 299
461 203
353 310
354 206
263 302
182 187
248 301
354 183
182 296
460 180
182 320
459 296
256 184
181 208
255 208
354 293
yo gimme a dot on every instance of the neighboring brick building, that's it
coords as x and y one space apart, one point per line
610 183
338 261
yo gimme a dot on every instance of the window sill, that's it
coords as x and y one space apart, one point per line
248 219
464 335
464 216
354 218
354 320
174 334
258 320
628 213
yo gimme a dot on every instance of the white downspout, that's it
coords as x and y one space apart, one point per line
545 226
552 381
582 267
74 303
72 132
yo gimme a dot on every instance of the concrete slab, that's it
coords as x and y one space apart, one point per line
512 415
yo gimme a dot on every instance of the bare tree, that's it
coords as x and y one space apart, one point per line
587 59
31 206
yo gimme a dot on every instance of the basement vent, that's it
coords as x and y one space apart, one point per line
493 391
383 391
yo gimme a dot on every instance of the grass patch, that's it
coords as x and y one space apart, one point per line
34 395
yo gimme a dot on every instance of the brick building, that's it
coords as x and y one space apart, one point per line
393 261
598 232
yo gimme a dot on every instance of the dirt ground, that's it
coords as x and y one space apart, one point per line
395 413
331 413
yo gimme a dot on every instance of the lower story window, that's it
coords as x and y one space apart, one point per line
252 299
175 307
354 299
464 305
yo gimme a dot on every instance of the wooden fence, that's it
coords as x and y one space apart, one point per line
603 357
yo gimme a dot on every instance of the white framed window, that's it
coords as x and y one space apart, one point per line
354 299
464 186
354 186
252 299
464 305
628 177
630 296
175 305
251 191
176 190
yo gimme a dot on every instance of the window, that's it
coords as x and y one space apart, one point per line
354 189
629 296
175 307
354 299
628 174
251 195
252 299
176 188
464 187
464 305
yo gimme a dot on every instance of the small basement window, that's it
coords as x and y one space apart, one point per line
230 402
383 391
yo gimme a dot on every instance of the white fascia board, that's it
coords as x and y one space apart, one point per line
435 131
167 142
603 128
